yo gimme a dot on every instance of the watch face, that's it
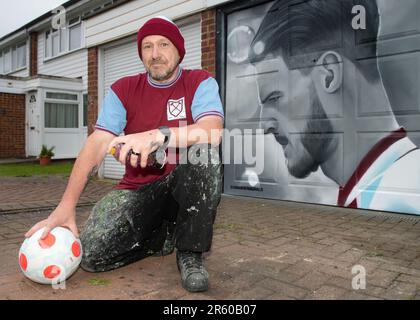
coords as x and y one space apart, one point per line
161 157
166 132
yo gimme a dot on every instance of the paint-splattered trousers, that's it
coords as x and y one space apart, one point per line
128 225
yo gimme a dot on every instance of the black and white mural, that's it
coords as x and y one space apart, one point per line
323 100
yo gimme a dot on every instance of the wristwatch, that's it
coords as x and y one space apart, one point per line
160 153
167 133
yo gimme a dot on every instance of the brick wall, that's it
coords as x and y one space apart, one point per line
33 54
12 125
208 40
92 88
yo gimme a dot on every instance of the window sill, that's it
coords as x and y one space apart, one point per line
17 70
60 130
62 55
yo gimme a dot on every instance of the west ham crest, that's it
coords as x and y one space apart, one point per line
176 109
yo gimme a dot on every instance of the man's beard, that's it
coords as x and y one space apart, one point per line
317 138
162 75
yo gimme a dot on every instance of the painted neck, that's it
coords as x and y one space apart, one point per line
341 165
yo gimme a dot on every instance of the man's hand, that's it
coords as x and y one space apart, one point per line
60 217
141 145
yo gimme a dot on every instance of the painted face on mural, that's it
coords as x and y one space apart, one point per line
292 111
160 57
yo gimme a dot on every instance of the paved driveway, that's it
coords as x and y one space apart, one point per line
262 249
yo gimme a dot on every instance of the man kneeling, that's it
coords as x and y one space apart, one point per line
153 209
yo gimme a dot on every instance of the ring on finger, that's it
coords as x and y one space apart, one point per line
135 153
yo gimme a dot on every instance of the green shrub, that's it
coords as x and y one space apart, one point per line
45 152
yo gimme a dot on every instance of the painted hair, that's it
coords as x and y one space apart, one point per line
295 29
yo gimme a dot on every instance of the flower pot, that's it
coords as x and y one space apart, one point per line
45 161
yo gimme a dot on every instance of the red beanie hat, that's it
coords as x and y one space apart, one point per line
163 27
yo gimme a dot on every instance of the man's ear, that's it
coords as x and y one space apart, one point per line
329 71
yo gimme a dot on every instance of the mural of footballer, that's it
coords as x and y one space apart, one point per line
311 70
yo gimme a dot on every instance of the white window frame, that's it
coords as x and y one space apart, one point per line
85 117
76 102
70 24
11 53
78 22
56 35
24 51
63 39
14 58
5 52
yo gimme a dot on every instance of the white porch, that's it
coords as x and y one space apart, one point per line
55 113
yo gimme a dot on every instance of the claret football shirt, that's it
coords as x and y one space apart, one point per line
137 104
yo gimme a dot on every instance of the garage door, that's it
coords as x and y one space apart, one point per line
329 138
122 60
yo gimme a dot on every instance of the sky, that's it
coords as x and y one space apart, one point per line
16 13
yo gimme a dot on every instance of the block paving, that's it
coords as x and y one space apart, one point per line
262 249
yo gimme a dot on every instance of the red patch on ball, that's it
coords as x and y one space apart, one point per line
75 248
48 242
23 261
52 271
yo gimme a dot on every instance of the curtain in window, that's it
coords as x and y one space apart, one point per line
61 115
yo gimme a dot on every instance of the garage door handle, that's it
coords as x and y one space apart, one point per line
32 128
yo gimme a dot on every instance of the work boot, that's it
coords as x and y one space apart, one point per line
193 275
169 244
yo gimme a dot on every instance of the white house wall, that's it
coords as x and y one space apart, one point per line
21 73
71 65
12 86
126 19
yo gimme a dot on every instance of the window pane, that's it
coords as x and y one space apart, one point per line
14 59
75 37
47 43
61 115
73 21
7 61
85 110
55 44
62 40
21 56
62 96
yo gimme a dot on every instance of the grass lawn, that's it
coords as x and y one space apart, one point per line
31 169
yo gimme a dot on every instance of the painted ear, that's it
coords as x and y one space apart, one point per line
331 71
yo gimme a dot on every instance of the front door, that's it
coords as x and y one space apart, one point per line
32 124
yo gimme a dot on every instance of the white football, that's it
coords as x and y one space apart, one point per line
51 260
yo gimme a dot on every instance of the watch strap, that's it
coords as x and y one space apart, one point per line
167 133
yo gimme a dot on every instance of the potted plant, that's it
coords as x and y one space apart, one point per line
45 155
